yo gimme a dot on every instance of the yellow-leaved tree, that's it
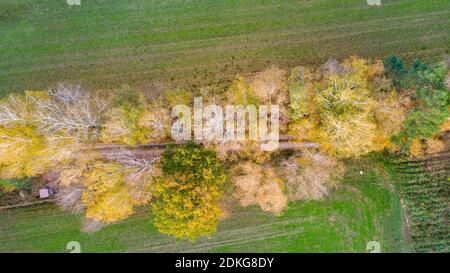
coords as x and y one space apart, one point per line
346 112
25 148
135 119
19 144
345 107
186 203
108 185
122 120
107 197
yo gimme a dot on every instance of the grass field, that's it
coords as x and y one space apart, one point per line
362 210
152 44
108 43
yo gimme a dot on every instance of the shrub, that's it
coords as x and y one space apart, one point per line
426 119
8 185
178 96
241 93
431 100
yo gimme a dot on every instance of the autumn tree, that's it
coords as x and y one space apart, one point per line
17 108
107 196
270 85
242 101
107 185
157 119
122 123
135 119
389 114
18 145
344 111
259 185
186 203
346 108
140 169
41 130
300 93
311 175
241 93
25 152
70 111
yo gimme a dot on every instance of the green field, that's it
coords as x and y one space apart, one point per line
424 185
105 44
153 45
361 210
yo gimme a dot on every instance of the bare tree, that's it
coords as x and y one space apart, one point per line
140 168
71 111
13 110
141 163
259 185
310 175
332 66
157 118
69 198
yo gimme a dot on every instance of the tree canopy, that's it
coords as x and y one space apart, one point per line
187 194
